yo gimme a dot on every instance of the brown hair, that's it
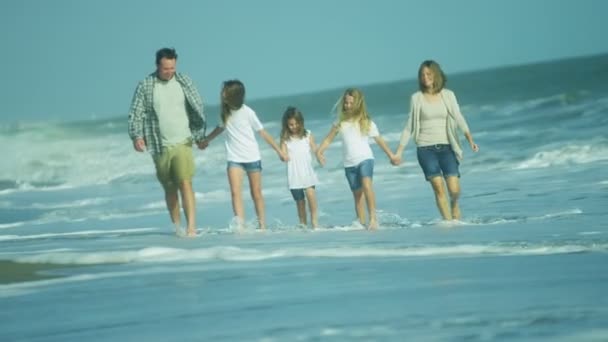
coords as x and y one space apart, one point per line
292 113
232 97
168 53
439 80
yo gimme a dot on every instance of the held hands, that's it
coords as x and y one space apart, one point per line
203 144
283 156
320 158
395 159
139 145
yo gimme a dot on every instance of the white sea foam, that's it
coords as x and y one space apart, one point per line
71 204
11 225
221 195
159 254
93 160
79 216
83 233
572 154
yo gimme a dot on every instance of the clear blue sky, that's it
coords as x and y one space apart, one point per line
83 58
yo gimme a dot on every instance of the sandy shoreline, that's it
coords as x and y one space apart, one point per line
16 272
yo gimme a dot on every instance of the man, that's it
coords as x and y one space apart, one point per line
166 117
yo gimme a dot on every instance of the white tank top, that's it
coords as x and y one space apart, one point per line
300 172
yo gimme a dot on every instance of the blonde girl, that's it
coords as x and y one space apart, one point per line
356 127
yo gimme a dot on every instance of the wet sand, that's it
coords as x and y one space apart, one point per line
15 272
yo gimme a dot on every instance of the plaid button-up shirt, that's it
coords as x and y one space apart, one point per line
143 121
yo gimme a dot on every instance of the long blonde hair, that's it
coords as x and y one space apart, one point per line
358 112
232 97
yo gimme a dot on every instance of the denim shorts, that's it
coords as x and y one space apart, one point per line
438 160
298 194
355 174
255 166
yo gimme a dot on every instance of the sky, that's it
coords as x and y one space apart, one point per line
81 59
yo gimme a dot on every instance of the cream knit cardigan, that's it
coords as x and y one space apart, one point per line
455 120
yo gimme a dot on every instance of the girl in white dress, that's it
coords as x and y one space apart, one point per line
298 145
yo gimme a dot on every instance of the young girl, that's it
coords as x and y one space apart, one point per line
356 127
433 122
242 151
297 143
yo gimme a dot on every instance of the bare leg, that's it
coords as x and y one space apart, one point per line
188 204
301 205
173 206
441 197
368 190
454 190
311 197
235 179
358 196
255 184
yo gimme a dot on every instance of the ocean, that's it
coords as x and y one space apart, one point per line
87 251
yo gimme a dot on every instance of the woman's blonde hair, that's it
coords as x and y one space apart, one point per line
358 112
292 113
232 97
439 78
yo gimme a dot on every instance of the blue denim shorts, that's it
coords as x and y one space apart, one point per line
355 174
298 194
255 166
438 160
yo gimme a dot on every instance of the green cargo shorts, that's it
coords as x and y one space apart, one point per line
174 165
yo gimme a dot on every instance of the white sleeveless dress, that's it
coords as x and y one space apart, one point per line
300 172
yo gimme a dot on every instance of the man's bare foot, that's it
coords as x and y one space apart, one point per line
191 232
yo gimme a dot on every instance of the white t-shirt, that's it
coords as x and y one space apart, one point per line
169 104
241 145
300 172
355 145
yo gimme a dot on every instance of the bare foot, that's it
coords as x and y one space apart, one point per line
191 232
237 225
373 225
179 231
456 212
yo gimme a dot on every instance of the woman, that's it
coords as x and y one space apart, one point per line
433 122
